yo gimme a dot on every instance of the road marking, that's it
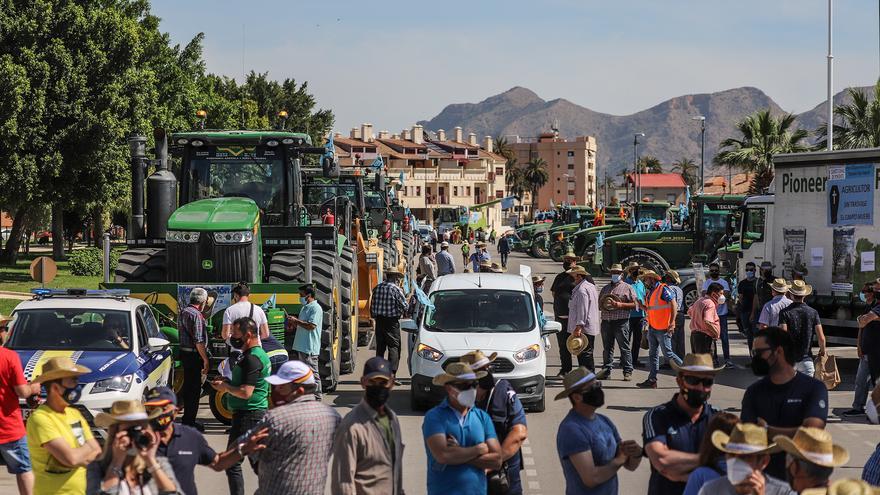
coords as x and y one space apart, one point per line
531 472
527 450
528 460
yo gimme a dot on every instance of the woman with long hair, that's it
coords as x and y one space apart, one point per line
712 461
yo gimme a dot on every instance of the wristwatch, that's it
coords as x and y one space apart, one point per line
238 450
155 467
117 471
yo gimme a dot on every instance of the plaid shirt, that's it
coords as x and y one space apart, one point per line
298 447
625 293
871 471
191 325
388 301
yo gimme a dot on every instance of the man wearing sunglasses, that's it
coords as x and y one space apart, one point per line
460 439
783 399
672 432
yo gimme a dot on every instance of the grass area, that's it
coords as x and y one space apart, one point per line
16 278
7 305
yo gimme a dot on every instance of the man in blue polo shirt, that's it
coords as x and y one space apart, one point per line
460 440
184 446
672 432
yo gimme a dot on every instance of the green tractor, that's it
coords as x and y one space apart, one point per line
248 211
537 238
712 224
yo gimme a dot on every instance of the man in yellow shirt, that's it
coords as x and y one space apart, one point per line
59 438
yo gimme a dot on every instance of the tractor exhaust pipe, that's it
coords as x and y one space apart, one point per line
137 146
161 190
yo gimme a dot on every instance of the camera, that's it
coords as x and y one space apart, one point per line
139 437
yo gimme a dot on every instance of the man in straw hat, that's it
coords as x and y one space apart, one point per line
130 458
538 287
480 256
637 315
590 448
445 262
783 399
561 290
192 330
295 437
621 300
661 309
769 316
748 453
672 432
387 307
504 249
802 322
810 459
13 438
498 398
583 315
460 440
59 438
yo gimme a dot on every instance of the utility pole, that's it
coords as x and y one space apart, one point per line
638 185
702 120
830 81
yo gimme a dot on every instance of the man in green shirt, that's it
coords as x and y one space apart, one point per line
248 391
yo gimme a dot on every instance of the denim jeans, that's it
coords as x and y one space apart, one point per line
806 366
863 384
636 323
656 339
504 259
725 339
616 331
747 327
678 337
242 421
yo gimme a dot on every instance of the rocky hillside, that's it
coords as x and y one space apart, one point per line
670 132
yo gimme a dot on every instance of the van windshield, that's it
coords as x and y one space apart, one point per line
480 311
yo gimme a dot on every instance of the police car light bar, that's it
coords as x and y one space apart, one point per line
114 293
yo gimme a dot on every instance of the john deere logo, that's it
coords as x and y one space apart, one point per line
207 264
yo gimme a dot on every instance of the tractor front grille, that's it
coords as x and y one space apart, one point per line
206 261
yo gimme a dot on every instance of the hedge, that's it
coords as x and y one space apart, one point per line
89 261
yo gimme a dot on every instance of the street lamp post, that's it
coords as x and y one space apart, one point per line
638 185
702 120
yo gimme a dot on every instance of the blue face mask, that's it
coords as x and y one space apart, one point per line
615 278
750 275
862 297
539 290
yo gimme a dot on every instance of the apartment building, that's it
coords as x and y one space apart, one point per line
571 166
444 176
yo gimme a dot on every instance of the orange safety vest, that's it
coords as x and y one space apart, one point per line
659 311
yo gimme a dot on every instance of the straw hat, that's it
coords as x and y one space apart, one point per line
477 360
578 270
393 271
569 255
633 264
496 268
745 439
125 410
57 368
813 445
577 345
696 363
651 274
606 302
779 285
574 380
800 288
481 244
847 487
536 279
616 268
458 372
674 276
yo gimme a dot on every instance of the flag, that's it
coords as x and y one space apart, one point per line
378 163
423 298
401 179
507 203
330 148
600 241
270 303
406 284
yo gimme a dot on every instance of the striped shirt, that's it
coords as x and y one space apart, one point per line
191 325
298 447
388 300
625 293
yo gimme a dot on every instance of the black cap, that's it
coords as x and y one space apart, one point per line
160 397
377 366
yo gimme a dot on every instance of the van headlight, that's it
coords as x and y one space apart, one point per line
429 353
182 236
115 384
241 237
528 353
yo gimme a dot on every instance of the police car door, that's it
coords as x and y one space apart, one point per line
155 363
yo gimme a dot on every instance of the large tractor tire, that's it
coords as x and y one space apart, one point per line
142 265
289 266
389 255
557 250
348 299
539 249
648 260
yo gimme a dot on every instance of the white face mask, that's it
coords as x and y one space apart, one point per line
737 470
467 398
871 411
721 299
615 278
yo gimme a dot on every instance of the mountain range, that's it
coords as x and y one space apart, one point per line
671 134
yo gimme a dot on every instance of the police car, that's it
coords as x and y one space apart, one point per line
115 336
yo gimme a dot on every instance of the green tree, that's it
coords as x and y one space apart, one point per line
761 136
503 148
649 164
535 176
513 177
860 122
688 170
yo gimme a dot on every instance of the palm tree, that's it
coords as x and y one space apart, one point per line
688 170
762 136
861 122
535 176
502 147
513 177
650 165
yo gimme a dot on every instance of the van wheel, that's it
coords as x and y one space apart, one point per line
691 294
539 406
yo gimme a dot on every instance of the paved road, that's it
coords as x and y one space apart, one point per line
625 405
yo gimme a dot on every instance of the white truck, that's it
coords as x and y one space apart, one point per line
819 223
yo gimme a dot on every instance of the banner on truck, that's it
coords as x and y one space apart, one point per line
794 247
851 195
222 295
843 257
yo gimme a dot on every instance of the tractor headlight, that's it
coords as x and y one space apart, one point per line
429 353
527 354
182 236
115 384
240 237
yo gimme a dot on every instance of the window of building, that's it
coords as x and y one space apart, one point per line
468 189
499 193
418 190
455 190
571 153
499 170
571 166
558 191
670 198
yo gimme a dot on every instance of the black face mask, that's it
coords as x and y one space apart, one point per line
236 342
695 398
376 395
73 394
767 274
162 422
595 397
487 382
714 274
760 366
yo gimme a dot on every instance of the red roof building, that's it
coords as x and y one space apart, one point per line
659 187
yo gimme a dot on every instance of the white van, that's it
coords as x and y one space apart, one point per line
492 312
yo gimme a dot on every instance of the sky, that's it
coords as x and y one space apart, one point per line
393 62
